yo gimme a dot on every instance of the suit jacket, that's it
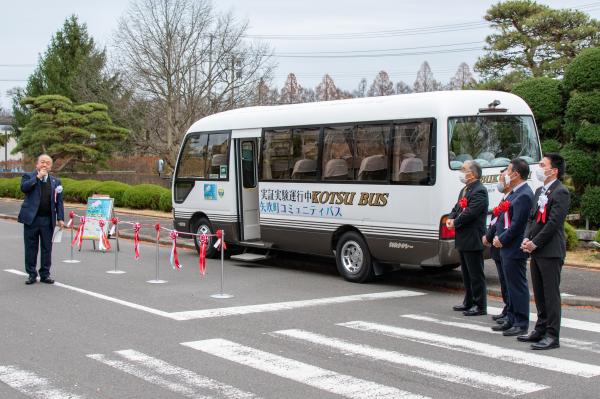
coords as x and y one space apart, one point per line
512 237
490 233
32 188
549 237
469 223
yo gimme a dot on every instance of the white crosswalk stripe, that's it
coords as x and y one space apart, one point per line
480 349
31 384
564 321
588 346
170 377
314 376
436 369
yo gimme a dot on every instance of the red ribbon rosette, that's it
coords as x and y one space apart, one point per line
78 239
463 203
541 215
174 256
202 260
136 239
113 228
157 228
104 245
505 207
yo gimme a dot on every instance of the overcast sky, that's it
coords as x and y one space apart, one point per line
26 28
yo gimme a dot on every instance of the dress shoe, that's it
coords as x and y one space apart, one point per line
546 343
502 320
47 280
533 336
514 331
502 327
475 311
460 307
31 280
498 316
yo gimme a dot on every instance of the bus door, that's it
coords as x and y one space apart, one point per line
247 183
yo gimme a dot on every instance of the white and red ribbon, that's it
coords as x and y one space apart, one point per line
202 260
78 239
219 241
71 216
157 228
174 259
136 239
103 244
113 228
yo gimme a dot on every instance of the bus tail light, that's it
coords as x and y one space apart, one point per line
445 232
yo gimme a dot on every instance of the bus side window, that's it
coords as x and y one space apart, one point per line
305 153
371 152
411 153
338 153
277 155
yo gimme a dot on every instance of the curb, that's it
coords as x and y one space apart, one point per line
569 301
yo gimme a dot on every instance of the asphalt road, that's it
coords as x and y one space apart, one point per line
287 333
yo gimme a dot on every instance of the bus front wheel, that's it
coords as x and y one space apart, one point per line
203 226
353 258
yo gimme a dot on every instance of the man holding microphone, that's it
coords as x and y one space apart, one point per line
40 211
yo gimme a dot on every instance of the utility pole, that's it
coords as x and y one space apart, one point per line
260 89
232 81
210 67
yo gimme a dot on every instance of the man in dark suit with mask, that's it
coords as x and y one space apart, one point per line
468 218
545 241
41 209
504 187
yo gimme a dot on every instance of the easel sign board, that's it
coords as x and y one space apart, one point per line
98 207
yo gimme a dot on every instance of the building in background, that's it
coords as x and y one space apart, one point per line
9 162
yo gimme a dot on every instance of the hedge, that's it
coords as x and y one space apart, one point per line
143 196
582 107
597 238
544 97
583 73
590 204
581 165
550 145
571 237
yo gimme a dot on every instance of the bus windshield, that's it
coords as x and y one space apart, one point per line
492 140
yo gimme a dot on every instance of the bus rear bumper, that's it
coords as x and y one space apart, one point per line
447 255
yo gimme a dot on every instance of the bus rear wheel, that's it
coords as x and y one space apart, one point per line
353 258
203 226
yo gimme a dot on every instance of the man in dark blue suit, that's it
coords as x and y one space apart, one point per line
510 231
42 208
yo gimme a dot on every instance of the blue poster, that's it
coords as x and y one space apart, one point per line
97 208
210 192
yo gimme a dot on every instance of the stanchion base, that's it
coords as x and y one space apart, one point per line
116 272
71 261
157 281
221 296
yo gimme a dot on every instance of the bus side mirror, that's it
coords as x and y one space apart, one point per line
160 166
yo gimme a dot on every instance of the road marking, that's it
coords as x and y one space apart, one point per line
479 348
160 373
568 323
431 368
241 310
294 370
32 385
566 342
271 307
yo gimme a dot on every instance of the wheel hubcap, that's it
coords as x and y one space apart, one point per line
352 257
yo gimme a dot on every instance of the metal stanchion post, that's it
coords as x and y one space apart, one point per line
116 270
222 295
157 280
71 260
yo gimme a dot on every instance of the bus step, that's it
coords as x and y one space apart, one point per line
250 257
256 244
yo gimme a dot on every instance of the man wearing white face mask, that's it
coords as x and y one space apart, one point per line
468 218
545 241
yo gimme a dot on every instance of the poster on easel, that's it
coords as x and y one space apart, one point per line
98 207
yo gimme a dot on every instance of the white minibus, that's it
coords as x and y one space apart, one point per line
368 181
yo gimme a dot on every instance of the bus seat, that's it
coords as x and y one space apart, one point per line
464 157
373 163
456 164
336 168
501 161
304 168
410 165
527 159
488 156
482 162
